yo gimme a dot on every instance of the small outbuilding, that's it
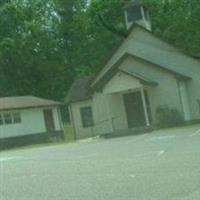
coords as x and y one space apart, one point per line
142 75
27 119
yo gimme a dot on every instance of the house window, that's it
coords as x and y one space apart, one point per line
1 119
7 118
16 117
87 117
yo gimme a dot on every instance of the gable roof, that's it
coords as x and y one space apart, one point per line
25 102
104 79
80 90
169 59
143 80
159 56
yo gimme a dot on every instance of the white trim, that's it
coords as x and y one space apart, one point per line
184 100
109 113
145 107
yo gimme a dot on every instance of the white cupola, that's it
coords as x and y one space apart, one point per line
136 12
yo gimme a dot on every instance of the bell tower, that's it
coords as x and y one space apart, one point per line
136 12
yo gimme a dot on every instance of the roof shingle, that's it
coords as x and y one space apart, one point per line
80 90
23 102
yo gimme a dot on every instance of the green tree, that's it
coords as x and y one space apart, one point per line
45 45
177 21
31 59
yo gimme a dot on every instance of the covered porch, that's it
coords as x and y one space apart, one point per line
128 100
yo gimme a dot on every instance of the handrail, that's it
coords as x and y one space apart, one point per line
104 121
101 122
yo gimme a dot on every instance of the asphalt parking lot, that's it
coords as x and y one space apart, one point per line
163 165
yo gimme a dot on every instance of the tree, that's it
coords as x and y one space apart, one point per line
31 60
177 21
45 45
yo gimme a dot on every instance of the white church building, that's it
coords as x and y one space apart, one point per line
142 74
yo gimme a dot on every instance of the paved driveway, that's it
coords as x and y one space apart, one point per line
161 165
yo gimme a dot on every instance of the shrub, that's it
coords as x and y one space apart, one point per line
69 133
168 117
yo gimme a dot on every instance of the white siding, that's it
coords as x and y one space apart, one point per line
32 123
155 49
143 44
57 119
121 82
108 107
108 112
80 131
102 113
166 93
118 112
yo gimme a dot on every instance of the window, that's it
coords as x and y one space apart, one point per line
134 14
87 117
10 118
16 118
7 118
1 119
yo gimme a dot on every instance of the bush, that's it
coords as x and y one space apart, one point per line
69 133
168 117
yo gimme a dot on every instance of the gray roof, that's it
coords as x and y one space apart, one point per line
23 102
145 80
113 71
170 60
80 90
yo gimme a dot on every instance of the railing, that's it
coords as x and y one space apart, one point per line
105 121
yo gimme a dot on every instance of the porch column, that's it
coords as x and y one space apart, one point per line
184 100
145 107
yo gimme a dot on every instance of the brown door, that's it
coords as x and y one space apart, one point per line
134 109
49 120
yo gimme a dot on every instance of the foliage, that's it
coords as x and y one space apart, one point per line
45 45
177 21
168 117
30 57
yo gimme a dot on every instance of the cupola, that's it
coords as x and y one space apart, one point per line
136 12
